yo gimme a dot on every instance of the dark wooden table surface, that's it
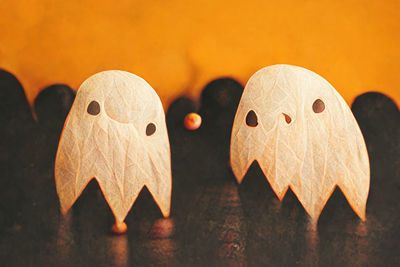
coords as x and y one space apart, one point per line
214 221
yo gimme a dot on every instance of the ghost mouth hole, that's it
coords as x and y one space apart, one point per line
287 118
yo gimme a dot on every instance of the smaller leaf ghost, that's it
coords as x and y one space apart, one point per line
303 135
116 134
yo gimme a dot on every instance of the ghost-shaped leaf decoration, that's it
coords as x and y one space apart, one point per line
303 135
115 133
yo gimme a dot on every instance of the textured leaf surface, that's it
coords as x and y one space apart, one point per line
105 138
298 145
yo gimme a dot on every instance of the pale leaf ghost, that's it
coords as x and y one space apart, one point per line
115 133
303 135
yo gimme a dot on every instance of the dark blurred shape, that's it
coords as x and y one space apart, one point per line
52 106
185 150
379 120
219 101
222 93
15 117
16 135
182 141
15 112
377 115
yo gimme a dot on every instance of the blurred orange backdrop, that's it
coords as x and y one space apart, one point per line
178 46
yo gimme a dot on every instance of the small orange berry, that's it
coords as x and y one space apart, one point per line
192 121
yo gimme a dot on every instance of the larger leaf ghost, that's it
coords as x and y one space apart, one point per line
116 134
303 135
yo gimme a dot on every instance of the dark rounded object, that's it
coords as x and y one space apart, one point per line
378 117
15 111
150 129
374 103
221 94
318 106
251 119
93 108
219 101
53 104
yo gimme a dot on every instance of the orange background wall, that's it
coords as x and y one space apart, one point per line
178 46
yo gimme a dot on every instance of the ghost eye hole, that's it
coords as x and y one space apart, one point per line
150 129
93 108
318 106
251 119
